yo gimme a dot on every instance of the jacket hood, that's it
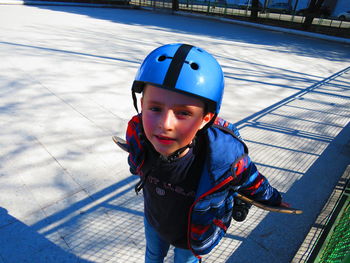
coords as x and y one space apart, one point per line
223 150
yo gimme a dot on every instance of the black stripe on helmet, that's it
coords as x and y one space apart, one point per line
176 65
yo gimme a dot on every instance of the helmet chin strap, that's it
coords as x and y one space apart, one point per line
172 157
134 100
178 152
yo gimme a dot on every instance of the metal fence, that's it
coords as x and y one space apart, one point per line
221 8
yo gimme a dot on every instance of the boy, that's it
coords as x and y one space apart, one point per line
190 162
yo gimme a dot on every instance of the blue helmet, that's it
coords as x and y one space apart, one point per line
186 69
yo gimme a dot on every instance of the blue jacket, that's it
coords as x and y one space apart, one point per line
227 169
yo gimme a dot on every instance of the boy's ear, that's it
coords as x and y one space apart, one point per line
207 118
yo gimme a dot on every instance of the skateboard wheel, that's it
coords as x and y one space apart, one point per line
239 214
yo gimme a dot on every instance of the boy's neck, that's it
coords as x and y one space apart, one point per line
178 153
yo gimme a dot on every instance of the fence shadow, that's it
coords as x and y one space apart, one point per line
21 243
296 143
302 147
105 227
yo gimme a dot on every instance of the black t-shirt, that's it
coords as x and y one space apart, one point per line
169 192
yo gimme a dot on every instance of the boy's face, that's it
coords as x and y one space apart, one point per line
170 119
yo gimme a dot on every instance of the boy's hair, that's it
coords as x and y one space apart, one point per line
185 69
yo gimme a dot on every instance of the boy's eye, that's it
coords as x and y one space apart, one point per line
184 113
156 109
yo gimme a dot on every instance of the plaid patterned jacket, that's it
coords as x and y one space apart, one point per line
227 169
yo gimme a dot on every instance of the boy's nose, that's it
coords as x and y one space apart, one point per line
167 121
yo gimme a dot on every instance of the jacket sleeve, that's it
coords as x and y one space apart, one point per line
223 123
247 179
136 150
250 182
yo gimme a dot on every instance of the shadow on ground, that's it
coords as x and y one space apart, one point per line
299 143
22 243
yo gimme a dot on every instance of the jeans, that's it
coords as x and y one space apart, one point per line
157 248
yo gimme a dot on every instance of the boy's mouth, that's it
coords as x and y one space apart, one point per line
164 139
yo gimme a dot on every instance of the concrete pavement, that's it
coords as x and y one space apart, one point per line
65 191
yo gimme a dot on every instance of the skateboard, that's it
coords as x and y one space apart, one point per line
244 203
121 143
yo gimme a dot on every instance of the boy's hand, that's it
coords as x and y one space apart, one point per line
284 204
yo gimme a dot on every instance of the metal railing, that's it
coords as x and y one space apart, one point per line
220 8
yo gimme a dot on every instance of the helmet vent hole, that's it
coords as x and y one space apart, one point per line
194 66
162 58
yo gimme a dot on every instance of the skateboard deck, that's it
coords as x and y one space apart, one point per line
280 209
121 143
